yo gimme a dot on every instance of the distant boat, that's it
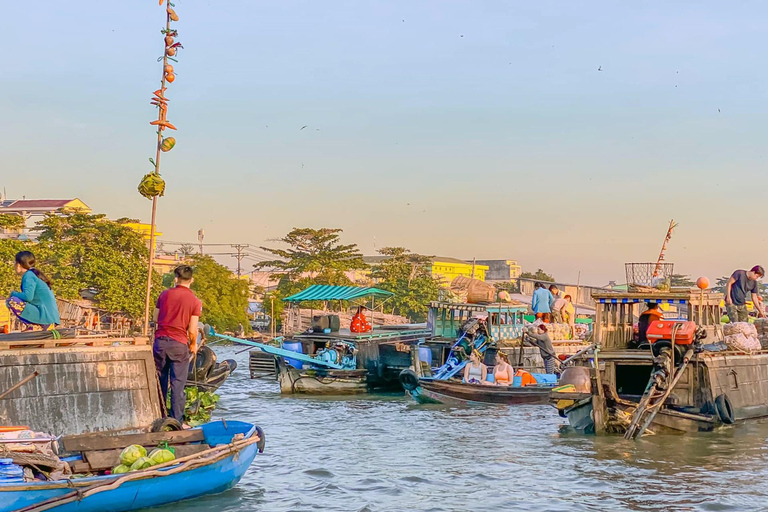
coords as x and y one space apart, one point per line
431 391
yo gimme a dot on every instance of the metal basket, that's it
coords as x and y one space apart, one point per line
649 275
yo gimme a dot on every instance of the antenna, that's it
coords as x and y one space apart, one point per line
672 226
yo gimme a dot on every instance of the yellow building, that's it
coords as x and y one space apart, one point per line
447 269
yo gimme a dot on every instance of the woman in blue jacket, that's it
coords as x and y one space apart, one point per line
35 304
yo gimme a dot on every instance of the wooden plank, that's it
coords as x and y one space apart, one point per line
80 466
106 459
103 441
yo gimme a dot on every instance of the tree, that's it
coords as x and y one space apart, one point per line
81 251
511 287
313 256
540 275
224 296
186 250
409 277
681 280
720 284
8 278
8 221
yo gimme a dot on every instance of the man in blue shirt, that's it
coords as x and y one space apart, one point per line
542 303
741 286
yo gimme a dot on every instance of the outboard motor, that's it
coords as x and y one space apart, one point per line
680 333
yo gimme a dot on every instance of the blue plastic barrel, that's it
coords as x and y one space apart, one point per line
517 381
425 355
545 379
294 346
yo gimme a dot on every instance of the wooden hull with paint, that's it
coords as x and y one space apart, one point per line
454 392
321 381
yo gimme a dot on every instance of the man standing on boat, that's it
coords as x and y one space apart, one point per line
741 285
176 316
541 303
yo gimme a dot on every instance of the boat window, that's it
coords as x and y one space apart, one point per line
632 379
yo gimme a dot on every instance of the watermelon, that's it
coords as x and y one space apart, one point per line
131 454
119 470
161 455
141 463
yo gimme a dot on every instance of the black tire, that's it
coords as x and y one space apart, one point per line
261 441
165 425
409 380
724 409
201 365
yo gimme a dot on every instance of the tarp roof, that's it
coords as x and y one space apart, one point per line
328 292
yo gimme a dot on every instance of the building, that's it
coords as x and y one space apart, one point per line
445 268
501 270
32 210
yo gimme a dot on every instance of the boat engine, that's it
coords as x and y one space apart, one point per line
680 334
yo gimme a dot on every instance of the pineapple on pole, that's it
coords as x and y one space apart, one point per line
152 184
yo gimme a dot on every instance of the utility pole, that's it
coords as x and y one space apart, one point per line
200 237
239 248
474 261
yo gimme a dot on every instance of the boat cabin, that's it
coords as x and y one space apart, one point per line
505 320
617 312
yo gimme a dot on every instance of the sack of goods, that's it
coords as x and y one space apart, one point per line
559 331
739 341
745 328
475 291
761 324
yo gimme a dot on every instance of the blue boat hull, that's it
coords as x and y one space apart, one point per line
216 477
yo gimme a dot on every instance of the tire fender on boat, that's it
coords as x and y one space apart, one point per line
261 441
724 409
165 425
409 380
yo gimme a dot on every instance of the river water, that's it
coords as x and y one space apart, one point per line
373 453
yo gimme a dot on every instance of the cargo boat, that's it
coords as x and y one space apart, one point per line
692 384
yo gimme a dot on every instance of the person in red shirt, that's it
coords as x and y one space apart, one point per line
176 318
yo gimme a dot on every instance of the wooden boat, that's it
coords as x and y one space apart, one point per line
225 451
431 391
703 386
320 381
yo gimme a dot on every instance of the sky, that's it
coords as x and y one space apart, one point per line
563 135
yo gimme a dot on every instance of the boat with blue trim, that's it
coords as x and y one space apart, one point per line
219 458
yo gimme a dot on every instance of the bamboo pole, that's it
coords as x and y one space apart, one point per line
150 266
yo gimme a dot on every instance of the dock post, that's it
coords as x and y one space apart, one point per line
415 360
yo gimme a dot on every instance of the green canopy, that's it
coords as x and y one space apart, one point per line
328 292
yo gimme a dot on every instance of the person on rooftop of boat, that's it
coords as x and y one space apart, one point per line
740 286
502 370
541 303
541 339
475 372
35 304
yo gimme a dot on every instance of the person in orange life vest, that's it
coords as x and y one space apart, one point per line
646 317
359 322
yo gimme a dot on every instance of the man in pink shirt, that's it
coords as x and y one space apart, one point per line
176 317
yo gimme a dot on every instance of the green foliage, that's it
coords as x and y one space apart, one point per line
8 221
540 275
9 280
511 287
313 256
199 406
89 251
681 280
409 277
224 297
81 251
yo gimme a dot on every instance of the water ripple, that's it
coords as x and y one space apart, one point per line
382 453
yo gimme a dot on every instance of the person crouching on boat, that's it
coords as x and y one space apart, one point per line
651 314
540 338
359 322
35 304
502 370
177 315
475 372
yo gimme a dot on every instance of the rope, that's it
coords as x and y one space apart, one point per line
189 462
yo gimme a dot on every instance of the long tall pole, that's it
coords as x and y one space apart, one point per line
161 117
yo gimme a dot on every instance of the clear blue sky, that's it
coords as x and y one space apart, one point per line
561 134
